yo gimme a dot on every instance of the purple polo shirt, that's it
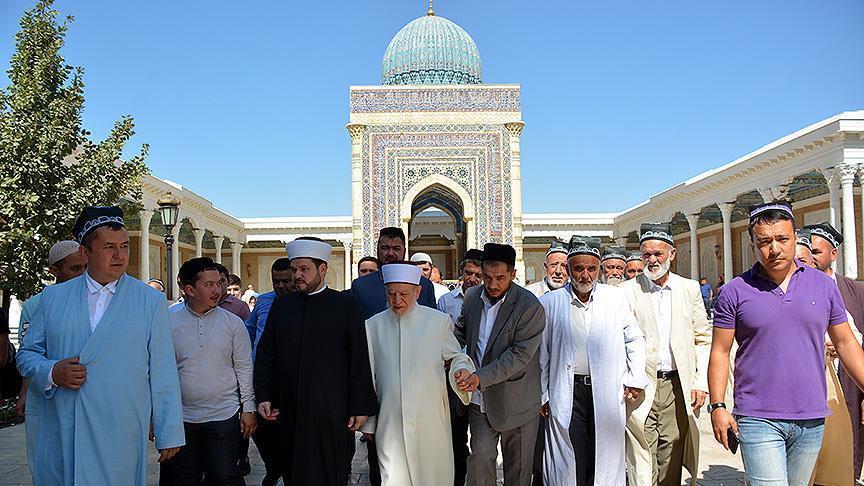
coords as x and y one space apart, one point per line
780 365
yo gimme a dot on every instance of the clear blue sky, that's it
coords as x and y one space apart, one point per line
246 102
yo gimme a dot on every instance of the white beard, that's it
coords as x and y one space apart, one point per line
659 273
614 281
555 285
583 288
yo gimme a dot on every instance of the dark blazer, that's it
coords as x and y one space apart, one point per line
510 371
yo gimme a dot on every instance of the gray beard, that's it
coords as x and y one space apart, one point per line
659 273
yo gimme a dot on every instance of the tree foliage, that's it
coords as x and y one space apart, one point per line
49 167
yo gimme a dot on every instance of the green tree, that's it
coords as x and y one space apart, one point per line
49 167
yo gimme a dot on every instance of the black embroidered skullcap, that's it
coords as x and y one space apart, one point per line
614 253
782 206
656 231
557 246
634 256
584 245
802 237
827 232
494 252
93 217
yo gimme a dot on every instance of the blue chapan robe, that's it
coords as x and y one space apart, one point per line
97 435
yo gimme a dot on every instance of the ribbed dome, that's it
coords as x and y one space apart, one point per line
431 50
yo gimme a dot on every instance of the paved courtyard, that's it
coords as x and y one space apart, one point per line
718 468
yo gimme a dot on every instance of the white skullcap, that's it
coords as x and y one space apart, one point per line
318 250
61 250
421 258
401 273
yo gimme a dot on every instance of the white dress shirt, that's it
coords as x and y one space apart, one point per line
580 325
98 298
487 321
661 298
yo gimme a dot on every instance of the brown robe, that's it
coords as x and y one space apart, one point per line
835 458
852 292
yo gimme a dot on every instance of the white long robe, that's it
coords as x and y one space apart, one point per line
412 429
616 358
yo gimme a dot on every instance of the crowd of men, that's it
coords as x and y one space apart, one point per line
595 374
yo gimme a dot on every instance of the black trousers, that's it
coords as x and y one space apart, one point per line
211 448
537 475
459 435
266 439
582 432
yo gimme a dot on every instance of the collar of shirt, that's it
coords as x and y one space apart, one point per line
209 311
95 287
322 289
488 303
576 300
799 268
657 288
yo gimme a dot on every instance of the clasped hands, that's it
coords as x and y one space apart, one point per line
467 381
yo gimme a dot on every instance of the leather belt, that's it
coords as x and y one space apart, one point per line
667 375
582 380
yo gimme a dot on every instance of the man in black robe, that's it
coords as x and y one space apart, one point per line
312 371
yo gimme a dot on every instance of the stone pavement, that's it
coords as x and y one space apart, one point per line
718 468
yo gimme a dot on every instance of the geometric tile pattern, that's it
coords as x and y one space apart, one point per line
475 157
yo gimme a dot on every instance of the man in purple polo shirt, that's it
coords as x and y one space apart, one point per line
778 312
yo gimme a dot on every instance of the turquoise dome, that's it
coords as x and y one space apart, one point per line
431 50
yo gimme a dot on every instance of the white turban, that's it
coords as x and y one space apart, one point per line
401 273
318 250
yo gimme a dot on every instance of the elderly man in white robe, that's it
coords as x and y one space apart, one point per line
410 350
592 363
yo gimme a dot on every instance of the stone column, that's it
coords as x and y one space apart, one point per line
850 252
726 211
175 261
356 131
406 227
235 257
515 129
693 221
218 240
349 265
199 241
144 247
832 180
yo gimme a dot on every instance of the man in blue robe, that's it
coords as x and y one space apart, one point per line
100 349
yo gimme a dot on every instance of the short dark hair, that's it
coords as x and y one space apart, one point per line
392 232
462 264
234 280
222 270
87 242
771 216
191 269
372 259
281 264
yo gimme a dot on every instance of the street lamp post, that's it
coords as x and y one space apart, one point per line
169 209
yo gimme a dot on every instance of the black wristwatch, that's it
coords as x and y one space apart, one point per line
715 406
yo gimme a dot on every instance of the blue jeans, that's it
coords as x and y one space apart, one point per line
779 452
